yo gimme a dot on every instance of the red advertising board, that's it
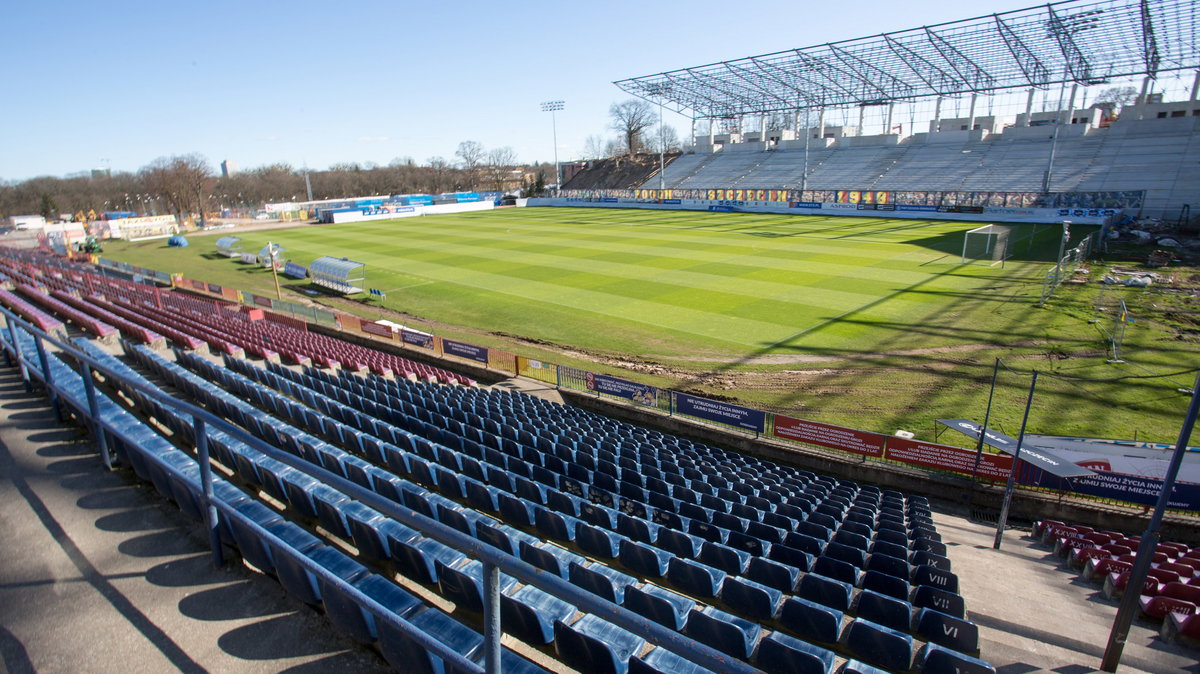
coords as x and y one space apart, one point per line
834 437
376 329
945 457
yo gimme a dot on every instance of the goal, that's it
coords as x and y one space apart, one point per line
986 245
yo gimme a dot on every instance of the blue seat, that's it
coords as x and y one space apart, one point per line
940 600
889 549
371 532
723 557
598 515
935 659
530 613
330 504
930 559
498 536
662 661
636 528
515 510
893 566
708 532
695 578
836 569
462 584
812 621
723 631
406 654
348 615
659 604
482 497
644 560
947 630
418 558
826 591
773 574
752 545
813 545
598 542
601 580
301 583
878 645
785 554
681 544
846 553
549 557
884 610
555 525
897 588
892 537
926 574
594 645
779 653
750 599
929 545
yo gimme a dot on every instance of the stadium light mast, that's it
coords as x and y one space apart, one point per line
553 107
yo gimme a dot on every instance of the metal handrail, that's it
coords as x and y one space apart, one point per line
492 558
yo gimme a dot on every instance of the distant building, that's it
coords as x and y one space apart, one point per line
101 172
228 168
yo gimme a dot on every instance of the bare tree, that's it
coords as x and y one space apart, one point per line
471 154
664 139
500 163
183 182
595 148
438 175
630 118
1112 99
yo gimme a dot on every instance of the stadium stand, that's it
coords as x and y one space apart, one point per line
620 511
1171 593
1131 154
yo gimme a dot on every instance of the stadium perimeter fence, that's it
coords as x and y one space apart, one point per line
932 457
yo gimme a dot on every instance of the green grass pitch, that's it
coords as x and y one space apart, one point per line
821 317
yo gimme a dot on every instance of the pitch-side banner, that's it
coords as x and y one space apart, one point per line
642 394
824 435
945 457
1131 488
418 339
723 413
464 350
1034 456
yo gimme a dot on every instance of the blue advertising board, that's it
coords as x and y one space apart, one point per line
464 350
724 413
917 207
417 339
643 394
805 204
1120 487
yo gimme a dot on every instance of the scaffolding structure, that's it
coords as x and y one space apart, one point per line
1084 43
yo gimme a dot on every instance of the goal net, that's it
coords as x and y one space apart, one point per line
986 245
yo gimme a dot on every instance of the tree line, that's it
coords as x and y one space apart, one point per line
188 184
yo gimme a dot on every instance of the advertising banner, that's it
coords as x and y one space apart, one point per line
376 329
420 340
1120 487
464 350
944 457
824 435
724 413
643 394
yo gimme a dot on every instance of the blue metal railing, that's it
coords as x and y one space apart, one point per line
494 561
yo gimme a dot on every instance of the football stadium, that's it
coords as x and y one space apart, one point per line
813 395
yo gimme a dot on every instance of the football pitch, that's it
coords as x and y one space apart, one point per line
827 318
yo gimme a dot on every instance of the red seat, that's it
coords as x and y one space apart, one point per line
1185 628
1081 556
1114 585
1097 569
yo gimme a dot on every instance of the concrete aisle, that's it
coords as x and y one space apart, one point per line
99 574
1035 616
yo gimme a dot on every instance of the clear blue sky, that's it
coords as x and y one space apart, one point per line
120 83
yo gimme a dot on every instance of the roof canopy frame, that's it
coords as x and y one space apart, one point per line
1076 41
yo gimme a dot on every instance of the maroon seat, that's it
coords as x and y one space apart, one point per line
1081 556
1174 598
1097 569
1115 585
1181 627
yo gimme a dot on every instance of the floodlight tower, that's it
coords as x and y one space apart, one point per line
553 107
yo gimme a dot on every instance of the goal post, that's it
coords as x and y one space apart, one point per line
986 245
